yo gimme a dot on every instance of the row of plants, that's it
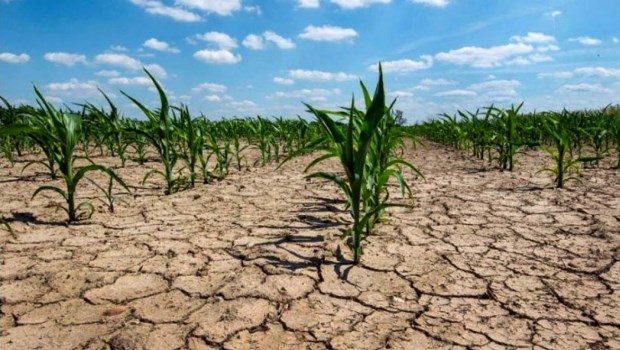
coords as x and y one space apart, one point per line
571 138
189 149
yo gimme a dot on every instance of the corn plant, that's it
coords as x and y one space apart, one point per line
262 129
615 132
351 148
192 141
112 130
62 135
560 136
110 197
160 133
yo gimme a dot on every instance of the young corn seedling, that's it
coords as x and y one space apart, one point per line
63 135
564 164
192 141
615 131
350 147
110 197
160 133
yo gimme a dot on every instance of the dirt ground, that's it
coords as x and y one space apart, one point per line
485 260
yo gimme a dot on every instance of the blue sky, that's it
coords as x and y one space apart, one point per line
248 57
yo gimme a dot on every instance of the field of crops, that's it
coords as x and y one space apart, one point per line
489 229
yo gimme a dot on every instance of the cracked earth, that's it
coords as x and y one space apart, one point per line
484 260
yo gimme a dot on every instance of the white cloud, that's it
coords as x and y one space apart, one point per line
434 3
68 59
213 98
158 8
217 56
496 85
118 48
281 42
211 87
534 38
143 81
556 75
258 42
157 70
54 100
316 75
437 82
243 104
73 84
308 3
404 65
400 93
118 60
158 45
548 48
537 58
9 57
328 33
253 9
615 40
254 42
585 88
481 57
599 72
555 14
457 93
283 81
353 4
308 93
108 73
220 7
586 41
220 40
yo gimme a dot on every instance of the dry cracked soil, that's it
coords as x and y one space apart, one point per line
484 260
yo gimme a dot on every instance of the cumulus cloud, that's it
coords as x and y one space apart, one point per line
159 45
283 81
220 40
213 98
556 75
9 57
437 82
118 60
313 94
328 33
217 56
316 75
259 41
254 42
210 87
586 41
585 88
404 65
555 14
220 7
281 42
601 72
534 38
433 3
73 84
108 73
67 59
308 3
143 81
158 8
353 4
481 57
456 93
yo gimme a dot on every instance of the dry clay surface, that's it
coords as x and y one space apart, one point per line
485 260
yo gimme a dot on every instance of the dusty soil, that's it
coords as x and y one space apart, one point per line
485 260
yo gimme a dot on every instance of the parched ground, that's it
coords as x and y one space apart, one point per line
485 260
